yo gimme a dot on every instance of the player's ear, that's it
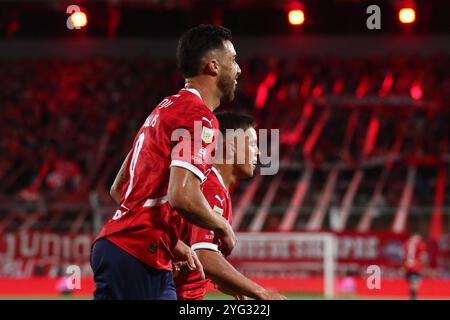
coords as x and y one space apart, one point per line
213 67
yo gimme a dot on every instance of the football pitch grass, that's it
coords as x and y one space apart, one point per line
209 296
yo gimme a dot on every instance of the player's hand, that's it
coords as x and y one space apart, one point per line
272 295
227 239
186 260
182 267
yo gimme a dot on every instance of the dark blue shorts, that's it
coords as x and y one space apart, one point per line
413 277
119 275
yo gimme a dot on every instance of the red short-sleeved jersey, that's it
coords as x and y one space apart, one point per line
190 286
414 249
181 131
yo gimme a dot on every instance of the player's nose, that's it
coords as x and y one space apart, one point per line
238 72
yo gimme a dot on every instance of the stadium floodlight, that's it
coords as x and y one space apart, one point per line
407 15
79 19
295 13
296 17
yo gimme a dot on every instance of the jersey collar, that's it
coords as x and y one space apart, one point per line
194 91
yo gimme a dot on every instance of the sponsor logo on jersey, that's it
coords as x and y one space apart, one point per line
218 210
209 236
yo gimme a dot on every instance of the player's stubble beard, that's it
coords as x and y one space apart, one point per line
226 86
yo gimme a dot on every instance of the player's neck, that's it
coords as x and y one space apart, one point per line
207 90
226 171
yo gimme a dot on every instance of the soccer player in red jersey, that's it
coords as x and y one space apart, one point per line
226 171
415 256
170 157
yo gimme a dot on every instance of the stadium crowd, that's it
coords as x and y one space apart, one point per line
67 125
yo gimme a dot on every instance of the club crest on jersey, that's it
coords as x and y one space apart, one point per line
207 134
218 210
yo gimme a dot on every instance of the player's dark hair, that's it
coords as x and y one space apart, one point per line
197 41
233 120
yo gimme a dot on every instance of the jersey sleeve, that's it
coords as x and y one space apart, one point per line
195 142
204 238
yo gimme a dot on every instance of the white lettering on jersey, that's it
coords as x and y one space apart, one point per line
134 159
209 236
117 215
151 121
165 103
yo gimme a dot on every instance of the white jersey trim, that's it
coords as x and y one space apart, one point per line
205 245
190 167
156 202
219 176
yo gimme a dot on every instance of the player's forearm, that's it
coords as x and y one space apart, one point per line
115 194
228 291
221 272
116 188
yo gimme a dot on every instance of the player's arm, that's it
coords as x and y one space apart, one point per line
231 293
222 273
186 260
116 188
185 196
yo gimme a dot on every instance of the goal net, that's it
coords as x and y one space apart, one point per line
301 262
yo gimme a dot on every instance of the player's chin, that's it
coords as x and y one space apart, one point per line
245 171
249 170
230 96
231 93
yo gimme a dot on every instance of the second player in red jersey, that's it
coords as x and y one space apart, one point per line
191 286
208 246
